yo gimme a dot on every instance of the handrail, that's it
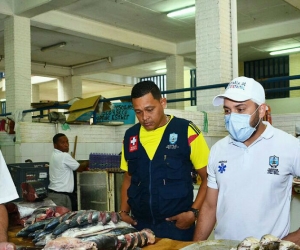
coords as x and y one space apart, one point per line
220 85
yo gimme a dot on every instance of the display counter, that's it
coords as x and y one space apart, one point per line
160 244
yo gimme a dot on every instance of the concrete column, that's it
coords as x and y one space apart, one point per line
35 93
69 87
76 86
216 48
17 50
64 89
175 79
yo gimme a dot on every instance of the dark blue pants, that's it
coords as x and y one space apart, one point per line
167 229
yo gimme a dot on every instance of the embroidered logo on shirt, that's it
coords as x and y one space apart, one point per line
222 167
172 139
273 162
133 143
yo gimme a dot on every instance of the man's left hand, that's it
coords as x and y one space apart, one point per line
183 220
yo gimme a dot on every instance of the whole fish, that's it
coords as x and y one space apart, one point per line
69 223
269 242
23 233
54 222
43 240
37 225
288 245
103 241
87 218
113 242
111 231
104 217
45 212
249 243
90 229
115 217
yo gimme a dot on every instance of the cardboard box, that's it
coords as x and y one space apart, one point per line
82 110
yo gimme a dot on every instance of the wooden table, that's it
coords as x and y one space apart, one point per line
19 241
160 244
167 244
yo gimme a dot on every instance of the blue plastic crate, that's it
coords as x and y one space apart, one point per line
103 161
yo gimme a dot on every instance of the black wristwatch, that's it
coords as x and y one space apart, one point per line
195 211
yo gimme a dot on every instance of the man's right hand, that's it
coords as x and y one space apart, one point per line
7 246
127 218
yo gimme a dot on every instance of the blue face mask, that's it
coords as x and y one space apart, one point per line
238 126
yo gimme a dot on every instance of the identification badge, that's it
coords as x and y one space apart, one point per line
133 143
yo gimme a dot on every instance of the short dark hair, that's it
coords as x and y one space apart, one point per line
143 88
57 136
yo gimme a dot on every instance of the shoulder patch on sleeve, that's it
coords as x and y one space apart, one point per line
192 138
195 128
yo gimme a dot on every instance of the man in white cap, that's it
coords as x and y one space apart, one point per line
250 171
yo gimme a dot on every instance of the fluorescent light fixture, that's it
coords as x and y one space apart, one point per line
285 51
182 12
54 46
161 71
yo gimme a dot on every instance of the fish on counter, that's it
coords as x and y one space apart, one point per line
88 230
24 213
69 243
45 212
266 242
104 241
79 224
249 243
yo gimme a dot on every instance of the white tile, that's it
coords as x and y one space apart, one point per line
90 147
80 149
26 149
100 147
37 149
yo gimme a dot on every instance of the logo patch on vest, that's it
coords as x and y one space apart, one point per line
133 143
273 162
172 139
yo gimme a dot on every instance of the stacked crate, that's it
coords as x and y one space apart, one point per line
102 161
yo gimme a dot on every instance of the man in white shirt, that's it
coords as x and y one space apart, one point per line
250 171
8 193
61 175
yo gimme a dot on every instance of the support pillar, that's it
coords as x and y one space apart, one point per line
69 87
17 50
175 79
216 48
35 93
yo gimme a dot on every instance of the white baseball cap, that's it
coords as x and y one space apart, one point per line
242 89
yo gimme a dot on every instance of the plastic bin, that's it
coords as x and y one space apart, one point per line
29 172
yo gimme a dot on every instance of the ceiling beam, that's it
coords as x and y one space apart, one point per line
283 29
82 27
36 7
45 69
118 62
